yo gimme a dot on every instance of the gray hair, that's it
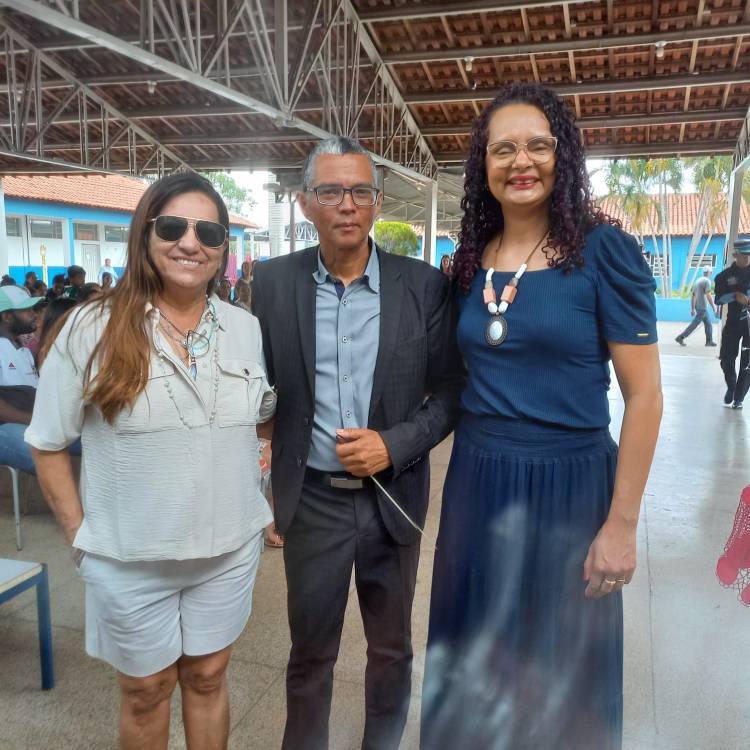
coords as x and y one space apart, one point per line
338 146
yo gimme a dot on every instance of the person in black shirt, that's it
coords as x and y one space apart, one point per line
57 288
732 286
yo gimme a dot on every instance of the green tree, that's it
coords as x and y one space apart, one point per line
666 174
238 199
711 177
396 237
628 184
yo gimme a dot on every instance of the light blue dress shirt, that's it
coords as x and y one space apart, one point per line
347 338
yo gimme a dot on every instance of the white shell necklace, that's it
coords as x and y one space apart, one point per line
496 330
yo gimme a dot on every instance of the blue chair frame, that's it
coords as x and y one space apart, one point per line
41 581
16 503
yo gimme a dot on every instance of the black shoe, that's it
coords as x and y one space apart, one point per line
680 341
710 343
737 405
729 397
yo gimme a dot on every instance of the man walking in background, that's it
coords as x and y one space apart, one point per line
107 268
699 301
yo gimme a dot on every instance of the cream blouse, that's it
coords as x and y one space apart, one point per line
177 477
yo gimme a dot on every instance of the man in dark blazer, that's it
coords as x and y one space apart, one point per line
360 346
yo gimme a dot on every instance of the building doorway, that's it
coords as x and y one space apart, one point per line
91 260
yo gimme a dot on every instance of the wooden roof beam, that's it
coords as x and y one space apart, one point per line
610 41
646 83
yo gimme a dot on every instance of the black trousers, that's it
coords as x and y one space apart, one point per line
734 338
334 530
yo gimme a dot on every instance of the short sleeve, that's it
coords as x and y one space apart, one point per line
57 420
626 303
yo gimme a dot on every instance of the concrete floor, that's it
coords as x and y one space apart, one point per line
687 639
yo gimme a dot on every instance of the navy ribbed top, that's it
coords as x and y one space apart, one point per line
553 366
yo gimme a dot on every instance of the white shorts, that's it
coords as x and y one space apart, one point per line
143 616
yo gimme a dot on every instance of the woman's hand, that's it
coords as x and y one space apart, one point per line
610 563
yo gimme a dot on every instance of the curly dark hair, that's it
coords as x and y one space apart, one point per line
572 211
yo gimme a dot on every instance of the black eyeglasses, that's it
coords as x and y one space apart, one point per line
333 195
173 228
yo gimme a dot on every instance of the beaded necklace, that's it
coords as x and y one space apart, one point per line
214 395
496 329
195 343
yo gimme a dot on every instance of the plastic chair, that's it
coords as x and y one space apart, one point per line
15 577
16 504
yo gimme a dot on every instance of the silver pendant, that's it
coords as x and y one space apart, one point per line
496 330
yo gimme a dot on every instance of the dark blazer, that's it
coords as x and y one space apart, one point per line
419 376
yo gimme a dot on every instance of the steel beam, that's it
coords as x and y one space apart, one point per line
589 123
45 14
86 96
625 121
591 87
432 10
611 41
60 166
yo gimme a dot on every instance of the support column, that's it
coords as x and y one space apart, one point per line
292 226
3 236
735 205
275 226
429 238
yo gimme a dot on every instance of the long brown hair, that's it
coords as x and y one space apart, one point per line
123 352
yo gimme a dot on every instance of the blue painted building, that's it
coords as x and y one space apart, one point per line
445 246
55 221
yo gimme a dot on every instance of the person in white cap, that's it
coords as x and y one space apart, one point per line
18 376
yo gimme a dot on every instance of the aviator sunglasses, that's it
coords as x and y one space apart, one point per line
173 228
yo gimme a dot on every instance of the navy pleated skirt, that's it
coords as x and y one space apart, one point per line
517 658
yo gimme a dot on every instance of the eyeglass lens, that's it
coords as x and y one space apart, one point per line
539 150
173 228
332 195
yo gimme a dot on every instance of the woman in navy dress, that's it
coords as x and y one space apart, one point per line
538 528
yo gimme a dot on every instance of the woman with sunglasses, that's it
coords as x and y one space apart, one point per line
166 386
538 528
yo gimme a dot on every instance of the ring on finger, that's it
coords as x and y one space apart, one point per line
608 582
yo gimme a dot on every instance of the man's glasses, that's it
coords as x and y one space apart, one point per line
173 228
539 150
333 195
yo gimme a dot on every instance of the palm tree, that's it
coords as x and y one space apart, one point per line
629 183
667 176
711 176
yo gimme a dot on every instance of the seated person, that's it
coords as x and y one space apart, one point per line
76 282
53 320
39 289
224 289
58 286
92 289
18 376
242 295
29 280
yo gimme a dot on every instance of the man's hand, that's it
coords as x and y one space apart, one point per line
362 452
742 298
